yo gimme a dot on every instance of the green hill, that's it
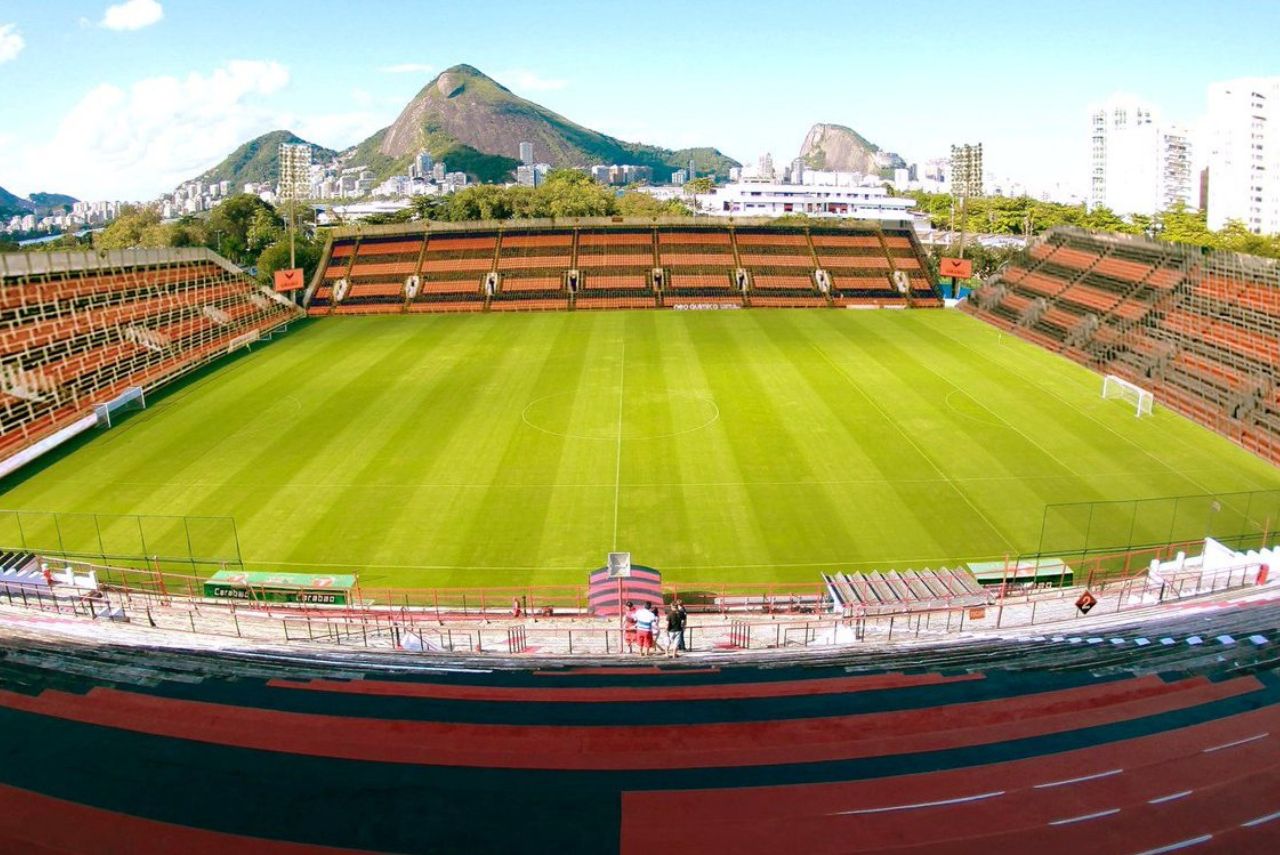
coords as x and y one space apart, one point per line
476 125
258 160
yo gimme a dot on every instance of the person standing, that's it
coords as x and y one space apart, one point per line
629 628
676 618
646 625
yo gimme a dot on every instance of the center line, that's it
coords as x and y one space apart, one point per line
617 469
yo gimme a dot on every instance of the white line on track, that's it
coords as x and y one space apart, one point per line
915 805
1244 741
1181 844
1260 820
1083 817
1169 798
1066 781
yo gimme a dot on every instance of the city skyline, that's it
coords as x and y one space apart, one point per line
173 88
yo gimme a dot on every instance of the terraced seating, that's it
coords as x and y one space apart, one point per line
111 322
616 265
1202 330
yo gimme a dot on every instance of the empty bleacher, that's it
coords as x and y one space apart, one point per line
1201 331
699 267
894 592
617 264
532 271
78 329
780 268
615 269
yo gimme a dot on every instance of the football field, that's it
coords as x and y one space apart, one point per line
716 446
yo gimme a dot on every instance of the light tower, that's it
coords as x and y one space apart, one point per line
295 183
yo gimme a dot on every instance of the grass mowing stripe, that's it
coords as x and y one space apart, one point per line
1028 348
920 451
401 445
617 465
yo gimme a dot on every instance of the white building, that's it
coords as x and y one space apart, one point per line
1139 164
772 199
295 170
1243 130
526 153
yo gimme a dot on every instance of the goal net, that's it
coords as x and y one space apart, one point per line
130 399
1117 387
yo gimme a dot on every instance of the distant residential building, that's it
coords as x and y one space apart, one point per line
796 174
1243 124
526 153
691 170
295 170
966 170
622 174
680 177
532 174
422 165
438 171
1139 164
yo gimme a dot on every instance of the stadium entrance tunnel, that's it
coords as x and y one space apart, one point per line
642 414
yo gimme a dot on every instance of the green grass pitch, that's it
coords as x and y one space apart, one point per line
716 446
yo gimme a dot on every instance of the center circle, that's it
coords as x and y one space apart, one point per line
644 414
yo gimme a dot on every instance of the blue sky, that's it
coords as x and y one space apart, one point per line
103 112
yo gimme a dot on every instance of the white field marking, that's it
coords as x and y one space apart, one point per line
1083 817
1093 777
1244 741
1258 639
1181 844
1086 414
1260 820
1169 798
939 803
617 469
910 441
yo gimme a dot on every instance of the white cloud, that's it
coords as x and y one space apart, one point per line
522 79
11 42
144 140
406 68
132 15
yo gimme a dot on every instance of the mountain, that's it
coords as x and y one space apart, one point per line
52 200
839 149
38 203
258 160
476 125
11 204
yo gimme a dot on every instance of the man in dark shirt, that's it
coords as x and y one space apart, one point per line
676 619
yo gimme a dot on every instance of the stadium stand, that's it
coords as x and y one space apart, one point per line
616 268
1201 331
1130 736
78 329
617 264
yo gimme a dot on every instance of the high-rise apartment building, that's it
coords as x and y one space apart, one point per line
1139 165
295 170
966 170
1243 131
526 153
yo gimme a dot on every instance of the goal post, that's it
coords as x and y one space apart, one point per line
1141 399
132 398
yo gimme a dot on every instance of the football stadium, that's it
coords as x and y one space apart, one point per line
981 576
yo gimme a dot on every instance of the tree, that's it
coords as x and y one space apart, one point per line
229 225
276 257
698 186
126 231
633 203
